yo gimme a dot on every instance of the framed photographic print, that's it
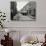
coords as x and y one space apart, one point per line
24 13
23 10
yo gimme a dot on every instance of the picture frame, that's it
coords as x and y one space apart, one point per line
23 10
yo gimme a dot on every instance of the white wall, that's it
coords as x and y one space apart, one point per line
40 15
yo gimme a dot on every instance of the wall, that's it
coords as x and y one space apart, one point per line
40 15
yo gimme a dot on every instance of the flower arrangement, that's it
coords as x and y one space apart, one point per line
2 18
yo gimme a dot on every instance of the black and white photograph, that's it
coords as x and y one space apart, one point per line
23 10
